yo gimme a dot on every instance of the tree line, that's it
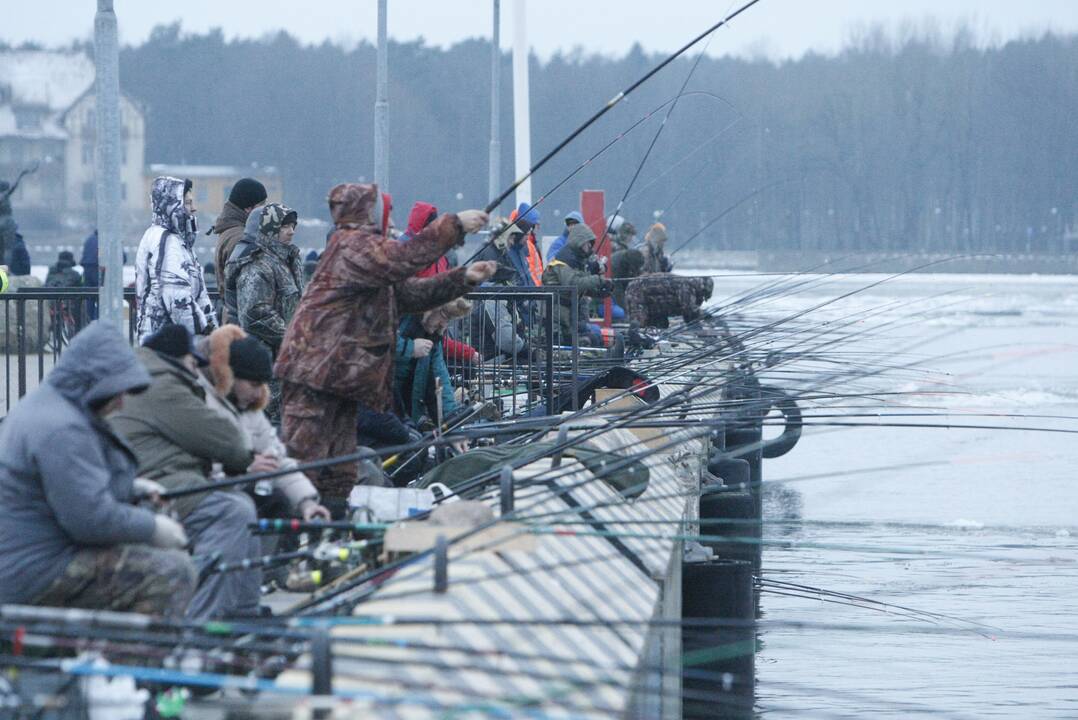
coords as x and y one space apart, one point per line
901 142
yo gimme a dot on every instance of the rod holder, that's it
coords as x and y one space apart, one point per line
441 565
563 436
507 486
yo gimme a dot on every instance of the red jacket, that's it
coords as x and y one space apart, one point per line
419 218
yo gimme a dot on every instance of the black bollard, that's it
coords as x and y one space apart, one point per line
718 655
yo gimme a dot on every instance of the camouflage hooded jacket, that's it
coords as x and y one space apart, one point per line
168 277
342 337
265 276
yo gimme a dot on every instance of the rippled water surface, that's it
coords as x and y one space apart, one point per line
978 524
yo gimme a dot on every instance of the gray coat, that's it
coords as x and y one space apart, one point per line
65 478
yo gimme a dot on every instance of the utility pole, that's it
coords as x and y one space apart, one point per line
521 112
381 105
494 186
107 185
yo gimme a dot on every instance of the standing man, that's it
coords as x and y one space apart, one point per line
338 352
169 283
246 195
263 281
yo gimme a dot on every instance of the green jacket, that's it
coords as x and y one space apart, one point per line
176 436
567 269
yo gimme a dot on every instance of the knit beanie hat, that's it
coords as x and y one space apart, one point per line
250 359
247 192
174 341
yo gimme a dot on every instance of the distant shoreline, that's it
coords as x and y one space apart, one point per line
880 262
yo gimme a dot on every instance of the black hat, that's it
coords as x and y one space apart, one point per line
250 359
66 258
174 341
247 192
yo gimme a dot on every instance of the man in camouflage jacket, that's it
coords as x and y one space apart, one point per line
263 281
652 299
338 351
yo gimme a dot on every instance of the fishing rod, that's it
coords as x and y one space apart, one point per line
727 211
610 104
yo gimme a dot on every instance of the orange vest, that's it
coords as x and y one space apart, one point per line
535 260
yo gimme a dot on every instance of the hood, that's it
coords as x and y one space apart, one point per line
217 347
422 214
574 215
231 216
99 364
166 199
656 235
574 253
626 234
527 217
360 205
272 217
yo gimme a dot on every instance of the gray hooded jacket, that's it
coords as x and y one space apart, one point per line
65 478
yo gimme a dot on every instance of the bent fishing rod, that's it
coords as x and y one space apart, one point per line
610 105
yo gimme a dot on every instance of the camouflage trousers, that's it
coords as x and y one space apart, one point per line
125 578
315 426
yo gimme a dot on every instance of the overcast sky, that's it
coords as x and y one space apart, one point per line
777 28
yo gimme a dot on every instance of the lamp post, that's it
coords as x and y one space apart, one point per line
107 181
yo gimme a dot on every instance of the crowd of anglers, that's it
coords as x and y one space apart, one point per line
291 366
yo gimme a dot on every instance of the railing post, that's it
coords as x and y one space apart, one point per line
20 335
574 305
550 382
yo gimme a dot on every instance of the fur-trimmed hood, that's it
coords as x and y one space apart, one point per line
217 347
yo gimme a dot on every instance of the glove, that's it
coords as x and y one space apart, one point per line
606 287
168 534
594 267
144 487
421 347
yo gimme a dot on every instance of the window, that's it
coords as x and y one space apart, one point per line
88 192
87 154
123 191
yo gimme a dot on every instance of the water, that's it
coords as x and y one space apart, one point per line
997 510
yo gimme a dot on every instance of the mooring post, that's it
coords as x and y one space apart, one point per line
719 651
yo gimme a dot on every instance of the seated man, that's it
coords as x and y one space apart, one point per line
177 438
69 535
236 381
570 269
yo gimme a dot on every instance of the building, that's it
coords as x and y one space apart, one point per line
47 117
213 183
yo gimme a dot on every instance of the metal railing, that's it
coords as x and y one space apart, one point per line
520 372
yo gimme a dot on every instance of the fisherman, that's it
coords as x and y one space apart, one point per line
63 274
626 262
19 256
338 352
69 533
571 218
421 215
494 327
263 281
169 283
236 380
246 195
309 264
655 260
420 364
523 250
178 438
653 299
570 268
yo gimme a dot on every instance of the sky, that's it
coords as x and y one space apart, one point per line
778 29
